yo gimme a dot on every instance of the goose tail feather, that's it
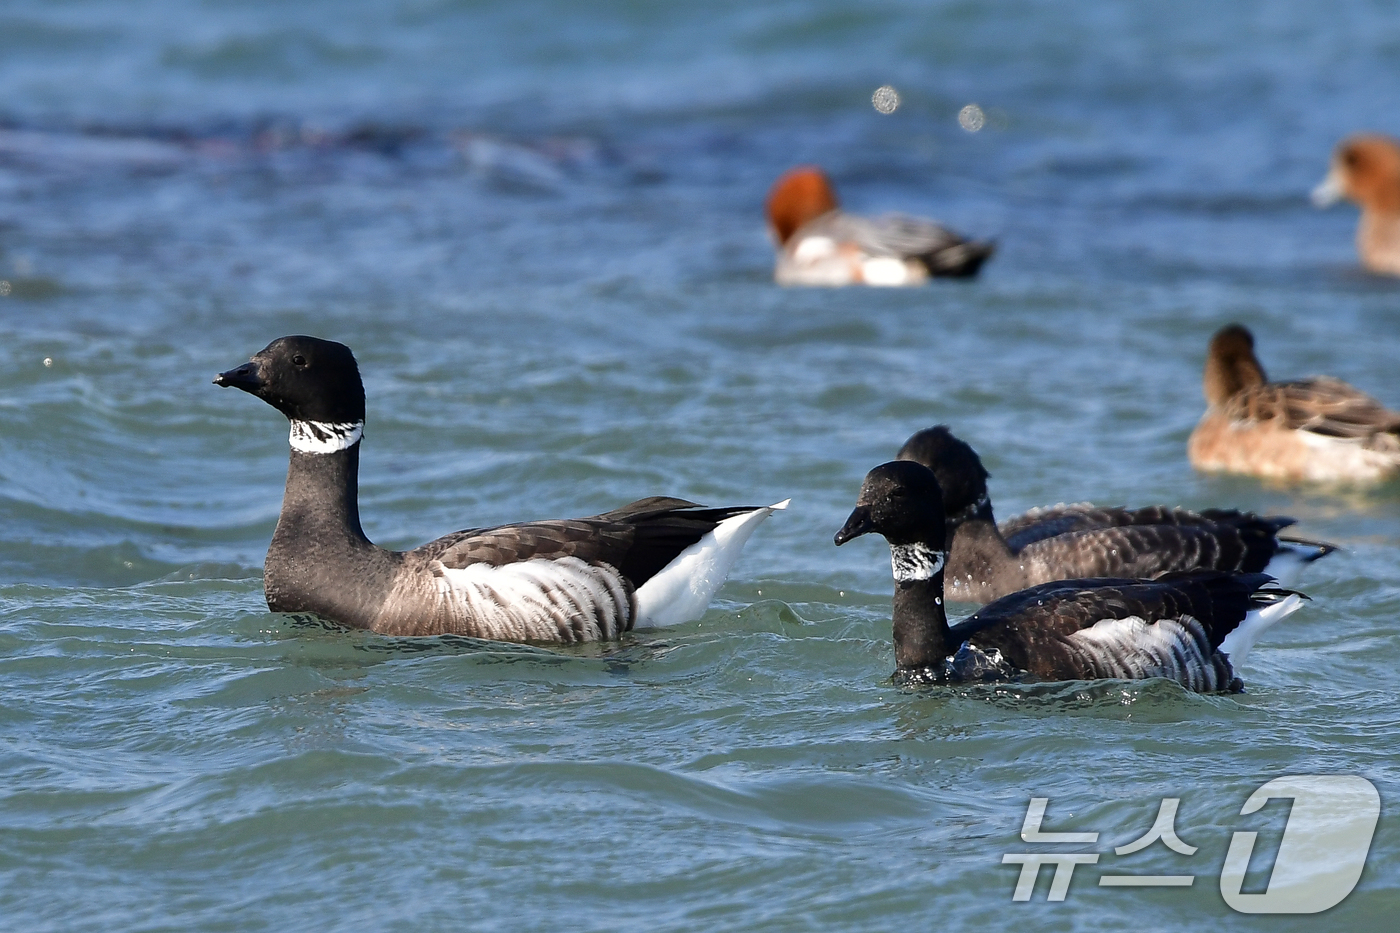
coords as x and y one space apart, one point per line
1269 606
683 589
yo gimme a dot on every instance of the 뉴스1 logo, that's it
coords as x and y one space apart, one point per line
1319 860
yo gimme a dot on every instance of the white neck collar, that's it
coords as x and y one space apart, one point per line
912 562
325 437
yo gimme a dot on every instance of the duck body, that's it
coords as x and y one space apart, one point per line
987 561
1193 628
1365 169
839 249
819 244
1319 430
657 561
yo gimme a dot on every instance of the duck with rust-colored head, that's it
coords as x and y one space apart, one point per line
820 244
1366 171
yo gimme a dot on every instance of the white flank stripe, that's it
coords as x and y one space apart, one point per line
1133 649
1239 642
325 437
536 600
683 589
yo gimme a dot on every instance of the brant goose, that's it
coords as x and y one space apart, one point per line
654 562
819 244
1068 541
1194 628
1318 429
1366 170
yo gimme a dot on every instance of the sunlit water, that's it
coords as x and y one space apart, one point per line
538 226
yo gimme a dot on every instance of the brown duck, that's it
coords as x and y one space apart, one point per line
1317 429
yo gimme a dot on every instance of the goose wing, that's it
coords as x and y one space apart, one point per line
1046 522
1147 551
638 539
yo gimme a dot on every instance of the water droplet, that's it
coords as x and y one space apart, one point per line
885 99
971 118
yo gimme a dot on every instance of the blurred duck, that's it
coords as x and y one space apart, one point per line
1366 170
1318 429
819 244
1064 542
1195 628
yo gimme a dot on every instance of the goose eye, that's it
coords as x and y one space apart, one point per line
298 360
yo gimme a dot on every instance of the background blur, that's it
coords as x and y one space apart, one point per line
539 226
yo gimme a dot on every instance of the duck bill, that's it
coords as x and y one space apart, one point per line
858 524
247 377
1330 190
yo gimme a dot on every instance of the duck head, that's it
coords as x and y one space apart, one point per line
1366 170
800 195
1231 366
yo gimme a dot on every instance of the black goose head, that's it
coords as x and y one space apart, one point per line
959 470
902 501
305 378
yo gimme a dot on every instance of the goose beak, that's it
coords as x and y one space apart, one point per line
1330 190
858 524
247 377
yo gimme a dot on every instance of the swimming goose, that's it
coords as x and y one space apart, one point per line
1195 628
655 562
1366 170
819 244
1067 541
1318 429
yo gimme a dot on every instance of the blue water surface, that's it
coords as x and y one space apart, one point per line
539 226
